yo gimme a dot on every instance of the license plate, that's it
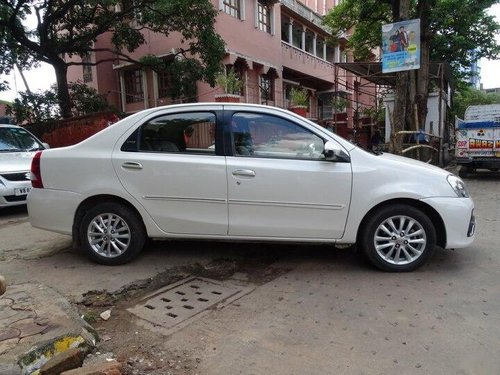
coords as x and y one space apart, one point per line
22 191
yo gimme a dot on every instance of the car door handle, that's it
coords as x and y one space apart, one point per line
244 173
132 165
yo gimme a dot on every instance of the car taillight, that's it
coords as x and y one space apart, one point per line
36 175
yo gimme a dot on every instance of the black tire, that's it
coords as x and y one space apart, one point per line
398 238
123 240
463 172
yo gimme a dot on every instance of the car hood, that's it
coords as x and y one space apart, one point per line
15 161
414 164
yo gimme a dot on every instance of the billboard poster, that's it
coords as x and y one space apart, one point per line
401 46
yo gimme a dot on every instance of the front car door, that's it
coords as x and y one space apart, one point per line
279 184
172 166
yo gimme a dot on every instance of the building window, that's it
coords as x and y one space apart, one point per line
266 88
240 71
232 7
133 86
163 85
309 47
87 69
264 16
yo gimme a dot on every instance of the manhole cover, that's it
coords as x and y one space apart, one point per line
176 305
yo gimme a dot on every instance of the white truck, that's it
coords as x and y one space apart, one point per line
478 139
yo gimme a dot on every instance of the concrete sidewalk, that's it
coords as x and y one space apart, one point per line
36 323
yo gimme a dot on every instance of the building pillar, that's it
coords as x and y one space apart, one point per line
156 95
123 92
315 40
145 88
324 50
290 32
303 43
337 54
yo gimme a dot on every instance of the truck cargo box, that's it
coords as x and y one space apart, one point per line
478 139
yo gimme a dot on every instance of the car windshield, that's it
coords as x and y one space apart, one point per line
17 139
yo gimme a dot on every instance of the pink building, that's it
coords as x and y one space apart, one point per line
272 45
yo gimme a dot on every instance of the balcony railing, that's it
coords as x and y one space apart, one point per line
303 56
306 12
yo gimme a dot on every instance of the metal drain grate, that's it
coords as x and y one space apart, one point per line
176 305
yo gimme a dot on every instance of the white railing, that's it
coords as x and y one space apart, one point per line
304 54
305 12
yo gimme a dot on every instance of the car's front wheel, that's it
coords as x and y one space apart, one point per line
112 234
398 238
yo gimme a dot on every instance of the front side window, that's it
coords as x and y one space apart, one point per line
260 135
177 133
232 7
134 91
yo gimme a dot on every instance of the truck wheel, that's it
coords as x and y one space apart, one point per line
463 172
112 234
398 238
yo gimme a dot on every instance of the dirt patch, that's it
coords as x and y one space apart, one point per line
141 351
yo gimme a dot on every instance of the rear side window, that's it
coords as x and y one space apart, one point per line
192 132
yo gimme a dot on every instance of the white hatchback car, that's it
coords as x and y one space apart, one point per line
17 147
244 172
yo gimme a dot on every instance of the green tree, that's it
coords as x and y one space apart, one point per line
42 106
67 28
455 31
468 96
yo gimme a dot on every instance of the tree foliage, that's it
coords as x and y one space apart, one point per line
65 29
455 31
42 106
459 31
468 96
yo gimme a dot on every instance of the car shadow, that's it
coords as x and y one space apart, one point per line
255 254
14 210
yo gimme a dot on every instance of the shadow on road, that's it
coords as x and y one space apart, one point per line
13 211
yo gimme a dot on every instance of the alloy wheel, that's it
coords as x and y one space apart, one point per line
400 240
109 235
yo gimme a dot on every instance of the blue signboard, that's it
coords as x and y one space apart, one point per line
401 46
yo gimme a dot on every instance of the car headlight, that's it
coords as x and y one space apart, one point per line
458 186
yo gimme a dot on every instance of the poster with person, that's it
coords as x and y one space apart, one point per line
401 46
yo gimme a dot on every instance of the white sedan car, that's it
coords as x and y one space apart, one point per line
17 147
246 173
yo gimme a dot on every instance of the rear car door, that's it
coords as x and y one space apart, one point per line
172 166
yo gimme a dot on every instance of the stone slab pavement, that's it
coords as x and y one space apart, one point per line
36 322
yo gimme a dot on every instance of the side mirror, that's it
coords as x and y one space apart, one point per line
333 152
46 145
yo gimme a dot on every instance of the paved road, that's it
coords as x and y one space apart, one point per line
328 313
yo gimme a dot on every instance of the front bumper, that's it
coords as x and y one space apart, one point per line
10 192
458 218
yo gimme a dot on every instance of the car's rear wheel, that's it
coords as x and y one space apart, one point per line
398 238
112 234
